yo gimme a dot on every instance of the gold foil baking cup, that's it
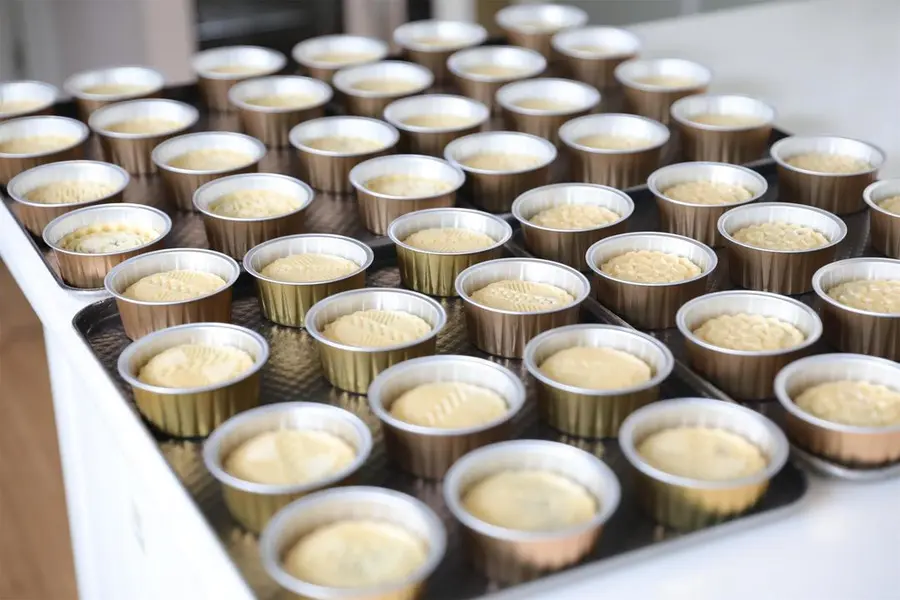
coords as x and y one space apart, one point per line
884 226
514 556
370 103
147 83
309 53
432 140
40 97
533 25
417 39
723 143
655 101
140 317
190 412
595 68
852 445
215 85
685 503
287 303
578 98
523 62
13 164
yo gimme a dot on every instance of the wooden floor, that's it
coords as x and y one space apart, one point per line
35 554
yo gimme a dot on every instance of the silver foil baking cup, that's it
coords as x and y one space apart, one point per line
595 68
884 226
655 101
579 99
737 144
309 53
431 42
214 85
40 96
13 164
370 103
149 82
533 25
526 63
432 140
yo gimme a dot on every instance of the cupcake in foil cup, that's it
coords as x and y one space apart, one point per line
129 131
29 142
692 196
651 304
429 449
772 264
367 89
617 150
591 54
505 332
862 327
353 367
252 503
217 154
501 165
140 317
857 445
590 412
90 241
197 410
428 123
269 107
95 89
541 106
764 332
372 506
390 186
430 43
514 555
532 25
287 302
556 227
480 72
218 69
723 128
330 147
26 99
687 503
841 170
651 86
883 200
48 191
243 211
322 56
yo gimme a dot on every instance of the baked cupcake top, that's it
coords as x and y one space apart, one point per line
650 266
449 405
522 296
702 453
449 239
35 144
377 328
858 403
254 204
309 268
575 216
707 192
289 457
596 368
173 286
501 161
778 235
68 192
211 159
407 185
743 331
107 237
875 295
822 162
195 365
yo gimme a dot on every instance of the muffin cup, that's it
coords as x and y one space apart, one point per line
568 246
367 103
593 68
884 226
353 368
235 236
429 451
723 143
851 329
545 123
287 303
484 87
272 124
191 412
853 445
37 215
513 556
253 504
432 140
141 317
184 183
377 210
655 101
43 95
616 168
518 21
214 86
327 170
13 164
780 271
352 503
83 270
649 305
133 150
839 193
744 374
505 332
495 191
461 35
305 53
150 80
684 503
584 412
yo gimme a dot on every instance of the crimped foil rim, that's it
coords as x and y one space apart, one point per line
676 114
69 87
247 260
448 155
645 87
260 147
564 137
871 189
360 186
310 196
82 137
421 129
242 104
479 35
463 74
773 152
591 90
280 62
50 87
507 235
823 294
651 184
502 18
357 93
720 226
10 187
517 207
554 42
292 137
166 219
296 51
118 135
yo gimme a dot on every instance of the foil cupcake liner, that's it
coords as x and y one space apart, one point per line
149 83
40 97
526 63
745 374
723 143
591 67
420 42
309 53
140 318
780 271
653 101
367 103
649 305
884 226
495 191
352 503
851 329
327 170
215 85
839 193
505 332
13 164
417 139
581 97
353 368
684 503
569 246
514 556
533 25
590 413
287 303
190 412
853 445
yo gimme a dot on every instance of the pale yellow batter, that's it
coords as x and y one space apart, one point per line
497 161
67 192
449 405
377 328
438 121
17 106
309 268
496 71
449 239
595 50
116 89
211 159
892 204
409 186
147 125
254 204
537 26
107 237
344 58
439 43
779 235
530 500
237 69
749 332
522 296
37 144
575 216
828 163
666 81
707 192
875 295
386 85
702 453
289 457
725 120
284 101
547 104
857 403
172 286
596 368
195 365
650 266
356 554
344 144
612 142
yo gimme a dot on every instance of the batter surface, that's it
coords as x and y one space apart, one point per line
254 204
116 89
195 365
707 192
16 106
238 69
828 163
344 58
211 159
496 71
702 453
743 331
547 104
289 457
407 185
344 144
377 328
666 81
596 50
575 216
144 125
440 42
857 403
522 296
496 161
386 85
439 121
596 368
875 295
170 286
650 266
309 267
724 120
449 239
67 192
107 237
37 144
613 142
892 204
449 405
284 101
778 235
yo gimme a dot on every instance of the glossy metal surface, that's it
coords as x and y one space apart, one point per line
722 143
655 101
149 80
432 140
369 103
13 164
43 95
420 42
215 85
533 25
270 124
596 69
577 98
309 53
526 64
884 225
